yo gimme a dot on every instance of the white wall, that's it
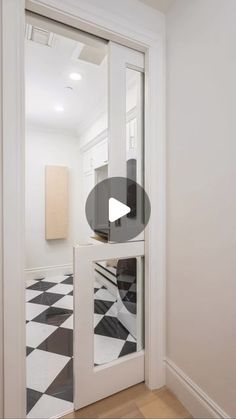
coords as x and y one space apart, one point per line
201 195
1 241
48 148
143 16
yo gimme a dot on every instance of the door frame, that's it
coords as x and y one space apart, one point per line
104 23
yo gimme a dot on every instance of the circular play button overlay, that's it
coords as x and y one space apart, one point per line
118 209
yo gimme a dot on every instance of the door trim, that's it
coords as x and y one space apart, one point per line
100 22
13 118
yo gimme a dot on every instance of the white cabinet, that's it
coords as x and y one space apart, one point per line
100 154
88 184
88 161
131 139
96 156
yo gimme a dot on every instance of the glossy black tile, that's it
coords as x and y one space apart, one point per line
54 316
101 307
28 350
32 398
62 386
128 348
68 280
111 327
47 298
59 342
41 286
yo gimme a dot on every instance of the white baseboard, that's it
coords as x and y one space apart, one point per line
198 403
37 273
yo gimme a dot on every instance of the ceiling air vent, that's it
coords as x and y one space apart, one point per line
89 53
38 35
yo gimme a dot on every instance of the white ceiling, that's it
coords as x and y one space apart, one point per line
47 79
161 5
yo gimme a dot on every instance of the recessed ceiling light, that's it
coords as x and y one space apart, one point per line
59 108
69 89
75 76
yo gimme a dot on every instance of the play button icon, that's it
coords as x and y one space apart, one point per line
118 209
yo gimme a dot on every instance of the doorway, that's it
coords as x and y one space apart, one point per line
66 94
71 147
126 33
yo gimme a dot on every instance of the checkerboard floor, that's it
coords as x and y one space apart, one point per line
49 339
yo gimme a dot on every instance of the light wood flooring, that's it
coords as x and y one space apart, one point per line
135 402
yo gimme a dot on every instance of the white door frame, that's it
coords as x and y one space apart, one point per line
101 22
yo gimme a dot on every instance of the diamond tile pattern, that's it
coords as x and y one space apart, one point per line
50 341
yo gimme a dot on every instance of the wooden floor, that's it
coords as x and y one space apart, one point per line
135 402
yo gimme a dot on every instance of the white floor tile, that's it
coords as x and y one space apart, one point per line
65 302
36 333
61 289
33 310
106 349
57 278
30 294
42 369
30 282
97 318
97 284
68 324
48 407
104 295
112 311
131 339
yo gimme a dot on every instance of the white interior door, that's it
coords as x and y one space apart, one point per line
103 363
95 381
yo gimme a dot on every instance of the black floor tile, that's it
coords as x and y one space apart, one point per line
47 298
41 286
111 327
35 282
131 296
68 280
28 350
59 342
62 386
128 348
124 285
32 398
53 315
101 307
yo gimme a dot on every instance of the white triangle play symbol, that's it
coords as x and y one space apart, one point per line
117 209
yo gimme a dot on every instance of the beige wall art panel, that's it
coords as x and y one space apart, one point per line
56 202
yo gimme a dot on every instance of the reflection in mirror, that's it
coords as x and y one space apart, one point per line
134 125
118 308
